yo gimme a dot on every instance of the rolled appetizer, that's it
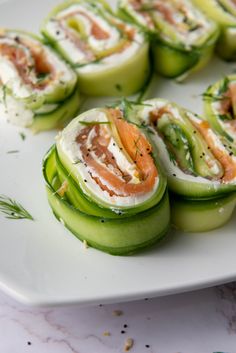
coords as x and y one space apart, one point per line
104 183
220 109
201 170
38 89
109 55
183 38
223 12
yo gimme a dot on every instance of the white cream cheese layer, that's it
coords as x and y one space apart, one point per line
14 111
69 147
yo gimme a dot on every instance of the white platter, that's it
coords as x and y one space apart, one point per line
41 263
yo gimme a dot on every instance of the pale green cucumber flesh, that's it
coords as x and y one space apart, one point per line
115 236
57 118
201 216
172 62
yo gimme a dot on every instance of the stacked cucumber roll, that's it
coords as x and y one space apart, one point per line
105 184
109 55
220 109
223 12
183 38
201 169
37 88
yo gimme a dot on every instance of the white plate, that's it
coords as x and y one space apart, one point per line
41 263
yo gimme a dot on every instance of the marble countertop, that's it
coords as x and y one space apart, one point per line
198 322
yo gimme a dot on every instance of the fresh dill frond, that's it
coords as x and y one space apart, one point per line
22 136
89 123
12 209
12 151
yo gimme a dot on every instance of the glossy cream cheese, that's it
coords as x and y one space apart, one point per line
70 149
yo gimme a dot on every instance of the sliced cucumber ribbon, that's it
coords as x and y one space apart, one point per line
198 164
220 109
109 55
183 37
34 81
106 170
223 12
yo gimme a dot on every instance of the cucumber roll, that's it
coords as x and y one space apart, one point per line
38 89
109 55
104 183
223 12
183 38
201 169
220 109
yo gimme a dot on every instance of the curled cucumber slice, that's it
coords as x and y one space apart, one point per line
105 183
110 56
182 37
200 166
37 88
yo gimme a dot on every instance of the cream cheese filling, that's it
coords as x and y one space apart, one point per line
71 149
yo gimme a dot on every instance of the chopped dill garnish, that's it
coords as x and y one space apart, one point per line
89 123
22 136
13 151
12 209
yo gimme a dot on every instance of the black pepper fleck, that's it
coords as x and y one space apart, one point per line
85 180
194 132
102 220
29 343
125 326
147 345
122 332
174 175
231 153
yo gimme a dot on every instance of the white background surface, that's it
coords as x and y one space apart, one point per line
42 263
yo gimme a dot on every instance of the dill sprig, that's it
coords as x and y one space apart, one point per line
12 209
89 123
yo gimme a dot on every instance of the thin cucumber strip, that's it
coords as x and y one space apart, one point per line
201 216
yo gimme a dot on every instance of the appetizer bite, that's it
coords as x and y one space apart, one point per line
38 89
220 109
109 55
223 12
104 182
183 38
200 168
